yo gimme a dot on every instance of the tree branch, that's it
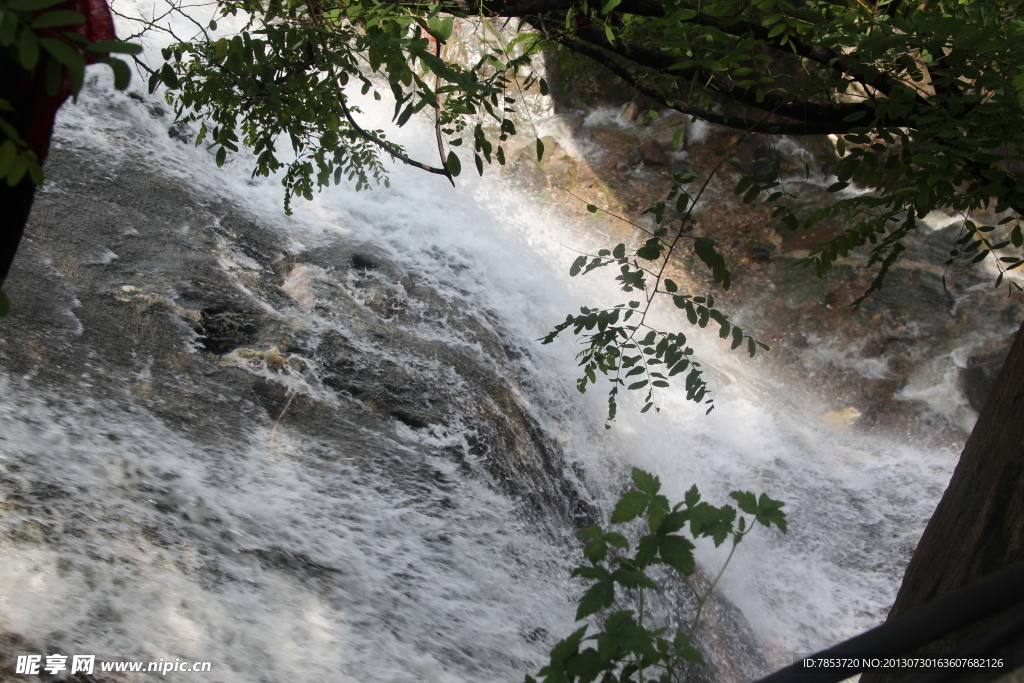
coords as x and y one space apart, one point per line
785 42
736 122
391 149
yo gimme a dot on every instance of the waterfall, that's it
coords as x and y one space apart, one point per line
329 447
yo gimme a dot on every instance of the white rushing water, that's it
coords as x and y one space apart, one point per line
294 560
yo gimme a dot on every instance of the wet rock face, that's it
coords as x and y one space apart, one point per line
193 307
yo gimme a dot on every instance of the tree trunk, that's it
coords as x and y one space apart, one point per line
978 526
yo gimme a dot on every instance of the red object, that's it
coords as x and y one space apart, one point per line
33 116
99 25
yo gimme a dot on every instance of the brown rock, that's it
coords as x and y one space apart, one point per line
798 240
296 285
652 154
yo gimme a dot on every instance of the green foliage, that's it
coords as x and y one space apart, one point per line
44 44
16 159
925 101
924 98
284 77
624 648
619 342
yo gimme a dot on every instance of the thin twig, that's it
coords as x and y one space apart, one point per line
273 431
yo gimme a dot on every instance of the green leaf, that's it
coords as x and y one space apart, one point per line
169 78
595 551
593 573
743 185
568 647
630 506
8 153
746 500
682 646
702 516
770 512
58 18
65 54
122 73
672 522
617 540
610 5
1017 237
540 152
645 481
406 114
677 139
446 27
656 512
677 552
578 264
453 164
5 304
28 50
720 530
600 596
17 171
720 10
631 578
8 27
692 497
622 635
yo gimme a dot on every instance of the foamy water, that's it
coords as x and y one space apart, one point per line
304 561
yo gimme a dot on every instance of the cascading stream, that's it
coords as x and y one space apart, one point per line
376 474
